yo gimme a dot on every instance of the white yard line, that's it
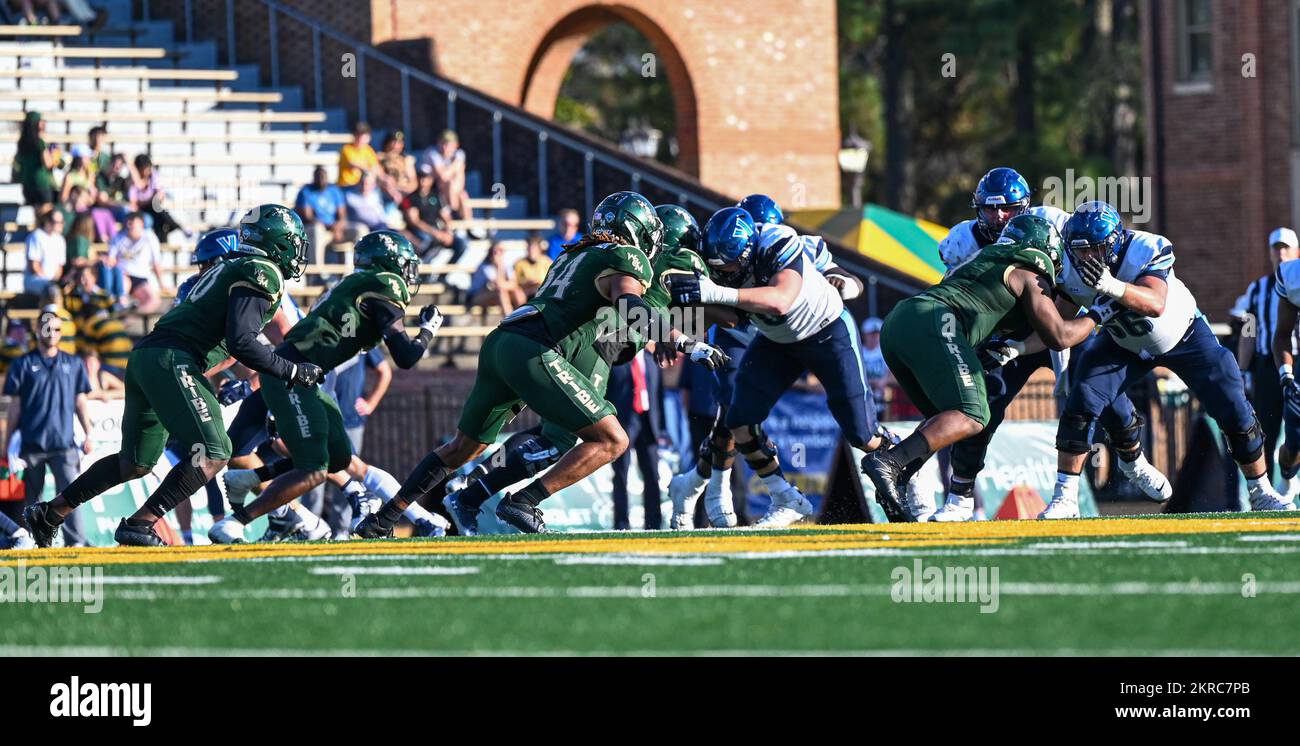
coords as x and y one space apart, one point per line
637 560
393 570
1270 537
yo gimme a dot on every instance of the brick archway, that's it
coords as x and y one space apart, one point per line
555 53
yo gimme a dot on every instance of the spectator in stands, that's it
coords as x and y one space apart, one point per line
47 252
448 161
99 158
34 164
102 341
493 283
78 175
147 197
396 168
136 256
428 219
366 206
113 187
47 388
531 270
357 157
879 379
324 212
634 390
80 240
567 231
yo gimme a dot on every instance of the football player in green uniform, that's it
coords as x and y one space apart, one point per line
929 343
366 307
528 361
525 454
166 391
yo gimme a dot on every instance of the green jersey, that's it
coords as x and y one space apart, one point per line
197 325
977 291
338 326
681 261
568 299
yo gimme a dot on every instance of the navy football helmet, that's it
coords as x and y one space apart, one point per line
215 245
762 209
1095 229
729 237
1002 188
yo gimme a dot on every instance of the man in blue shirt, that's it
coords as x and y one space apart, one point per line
567 230
323 210
47 388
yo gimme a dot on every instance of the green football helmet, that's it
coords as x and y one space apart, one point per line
632 218
680 229
1034 243
388 251
275 232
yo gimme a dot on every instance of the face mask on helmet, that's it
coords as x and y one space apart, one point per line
994 216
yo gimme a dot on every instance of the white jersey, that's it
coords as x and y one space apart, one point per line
960 245
1288 281
818 303
1140 254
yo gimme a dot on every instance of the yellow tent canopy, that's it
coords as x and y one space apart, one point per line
907 244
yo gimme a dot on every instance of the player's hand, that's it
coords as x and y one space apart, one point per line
1290 395
87 446
305 374
1103 311
431 319
1096 275
363 407
837 282
233 391
995 354
704 354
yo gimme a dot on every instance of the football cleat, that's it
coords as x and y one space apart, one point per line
226 531
37 517
135 535
281 525
789 506
886 475
465 517
430 528
317 530
239 483
523 516
1148 479
19 540
366 504
684 490
371 527
1267 499
1061 506
956 509
718 505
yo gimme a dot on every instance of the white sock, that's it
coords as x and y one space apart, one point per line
354 490
418 512
381 483
719 480
775 483
1067 485
309 519
1257 485
694 479
1130 467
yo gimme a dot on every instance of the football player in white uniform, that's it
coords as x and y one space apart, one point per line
1126 278
1288 289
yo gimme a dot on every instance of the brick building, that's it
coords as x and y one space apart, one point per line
1223 135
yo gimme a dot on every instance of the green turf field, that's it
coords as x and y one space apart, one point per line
1196 585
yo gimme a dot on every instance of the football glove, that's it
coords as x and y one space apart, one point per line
1096 275
233 391
305 374
1290 392
995 354
431 319
707 355
693 290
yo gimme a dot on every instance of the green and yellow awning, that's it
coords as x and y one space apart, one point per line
907 244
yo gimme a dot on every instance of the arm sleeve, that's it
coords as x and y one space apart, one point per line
638 314
243 324
13 379
406 351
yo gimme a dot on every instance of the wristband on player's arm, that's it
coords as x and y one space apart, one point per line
1284 372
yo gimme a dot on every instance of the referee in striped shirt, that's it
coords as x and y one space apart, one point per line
1255 344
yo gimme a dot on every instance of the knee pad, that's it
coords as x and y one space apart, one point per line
1246 447
1127 439
720 447
532 455
759 451
1072 434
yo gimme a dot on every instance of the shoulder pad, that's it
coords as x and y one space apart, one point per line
775 248
818 252
1054 215
1146 251
390 286
625 258
1288 281
959 245
260 274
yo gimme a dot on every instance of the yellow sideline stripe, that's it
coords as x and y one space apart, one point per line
813 538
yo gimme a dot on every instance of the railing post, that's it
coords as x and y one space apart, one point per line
315 53
406 102
588 187
275 46
451 110
361 85
230 33
189 21
543 189
873 299
496 147
636 181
